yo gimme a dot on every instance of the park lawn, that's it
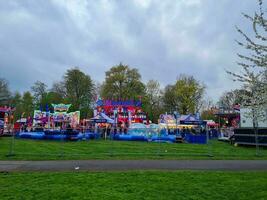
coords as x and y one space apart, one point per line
26 149
182 185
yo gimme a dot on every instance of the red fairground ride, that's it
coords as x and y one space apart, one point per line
125 111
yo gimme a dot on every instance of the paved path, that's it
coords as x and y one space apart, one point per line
124 165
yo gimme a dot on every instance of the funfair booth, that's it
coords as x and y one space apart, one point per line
171 124
188 128
198 134
97 126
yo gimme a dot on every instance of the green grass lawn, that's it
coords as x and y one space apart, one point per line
26 149
134 185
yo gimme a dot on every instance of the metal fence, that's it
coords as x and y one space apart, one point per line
139 143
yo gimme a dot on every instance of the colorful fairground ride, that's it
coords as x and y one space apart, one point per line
179 122
57 125
119 120
113 117
228 117
59 119
187 128
236 125
171 129
124 112
6 120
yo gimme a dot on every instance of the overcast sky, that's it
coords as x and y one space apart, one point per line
41 39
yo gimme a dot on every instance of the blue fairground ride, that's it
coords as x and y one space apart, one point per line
57 125
142 132
171 128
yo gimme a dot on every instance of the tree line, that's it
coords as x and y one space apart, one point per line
121 82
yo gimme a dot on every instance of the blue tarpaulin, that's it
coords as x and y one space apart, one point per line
191 120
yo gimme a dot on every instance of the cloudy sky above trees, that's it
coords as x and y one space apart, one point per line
41 39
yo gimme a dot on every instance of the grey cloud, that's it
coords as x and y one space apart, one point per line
41 39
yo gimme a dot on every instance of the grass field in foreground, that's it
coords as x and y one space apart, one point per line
26 149
134 185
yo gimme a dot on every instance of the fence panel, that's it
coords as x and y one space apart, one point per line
139 143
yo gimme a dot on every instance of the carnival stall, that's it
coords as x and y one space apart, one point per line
198 133
170 123
99 125
188 128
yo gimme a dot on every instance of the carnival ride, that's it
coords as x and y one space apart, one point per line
57 125
187 128
125 111
148 133
63 125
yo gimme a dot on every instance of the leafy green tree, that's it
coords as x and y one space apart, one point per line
39 90
122 82
43 97
185 95
59 88
51 98
5 93
169 99
209 115
152 101
16 102
79 90
27 104
153 92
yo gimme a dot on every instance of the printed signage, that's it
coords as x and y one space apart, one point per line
137 103
61 107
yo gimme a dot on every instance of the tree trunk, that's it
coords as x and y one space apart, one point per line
255 128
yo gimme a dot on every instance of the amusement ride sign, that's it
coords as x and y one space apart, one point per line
61 107
137 103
